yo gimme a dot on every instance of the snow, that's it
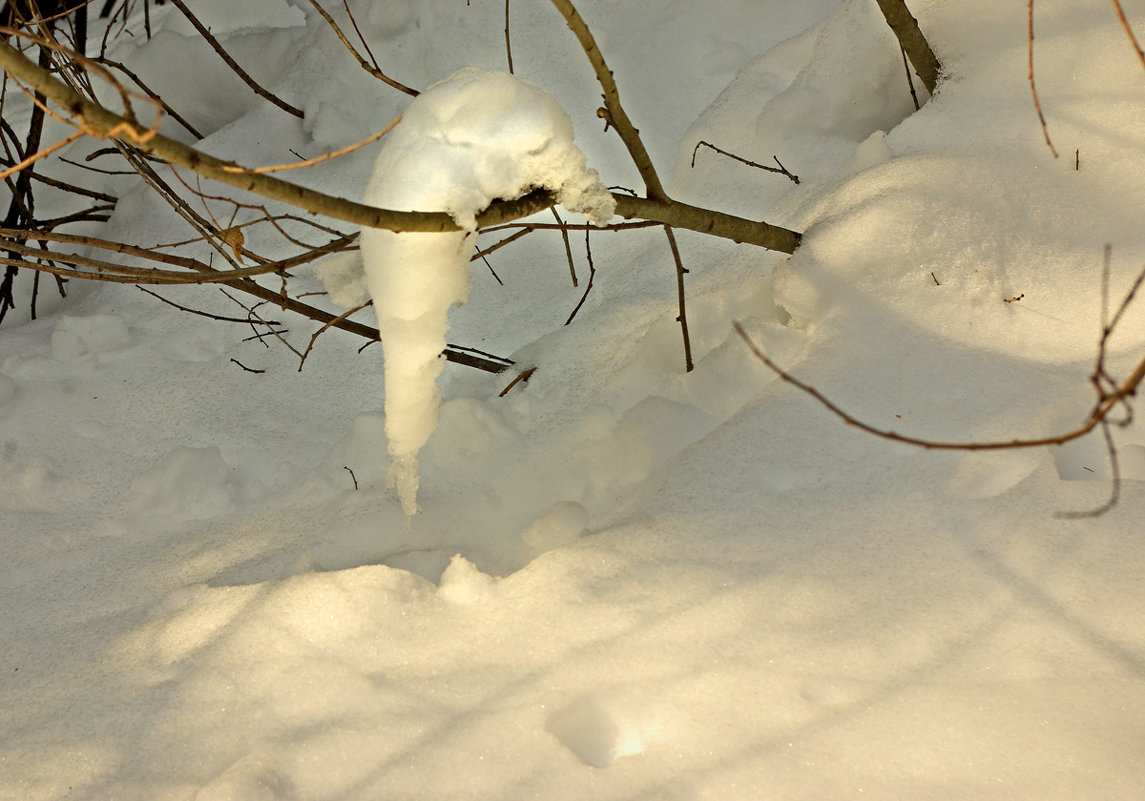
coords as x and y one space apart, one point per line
467 140
624 581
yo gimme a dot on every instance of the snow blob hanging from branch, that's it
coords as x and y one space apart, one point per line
466 141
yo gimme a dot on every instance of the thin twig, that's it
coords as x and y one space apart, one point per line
591 275
248 369
909 79
218 317
781 170
326 327
683 318
102 123
508 45
373 69
1033 87
499 244
294 165
234 65
568 245
1129 31
523 376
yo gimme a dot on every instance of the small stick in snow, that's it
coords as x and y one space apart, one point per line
351 472
248 369
525 376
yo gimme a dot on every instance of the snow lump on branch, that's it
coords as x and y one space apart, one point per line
466 141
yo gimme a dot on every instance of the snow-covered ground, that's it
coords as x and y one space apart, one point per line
624 581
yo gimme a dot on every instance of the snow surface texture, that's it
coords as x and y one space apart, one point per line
627 582
464 142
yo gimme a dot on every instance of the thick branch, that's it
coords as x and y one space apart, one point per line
905 27
706 221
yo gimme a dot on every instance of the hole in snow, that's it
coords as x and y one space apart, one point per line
587 729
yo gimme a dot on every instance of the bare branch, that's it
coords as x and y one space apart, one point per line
1033 86
234 65
373 69
1129 31
683 317
910 37
616 115
781 170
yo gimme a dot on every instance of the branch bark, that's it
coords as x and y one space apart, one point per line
99 121
905 27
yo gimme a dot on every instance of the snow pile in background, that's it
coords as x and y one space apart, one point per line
466 141
626 581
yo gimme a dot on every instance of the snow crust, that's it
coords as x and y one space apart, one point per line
470 139
626 581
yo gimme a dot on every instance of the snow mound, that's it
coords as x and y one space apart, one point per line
468 140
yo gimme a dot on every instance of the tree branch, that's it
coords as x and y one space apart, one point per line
905 27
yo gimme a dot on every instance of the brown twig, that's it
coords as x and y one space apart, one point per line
508 44
1033 86
326 327
248 369
615 111
909 79
523 376
682 319
781 170
1129 31
217 317
912 41
499 244
591 275
234 65
568 245
102 123
373 69
1110 394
